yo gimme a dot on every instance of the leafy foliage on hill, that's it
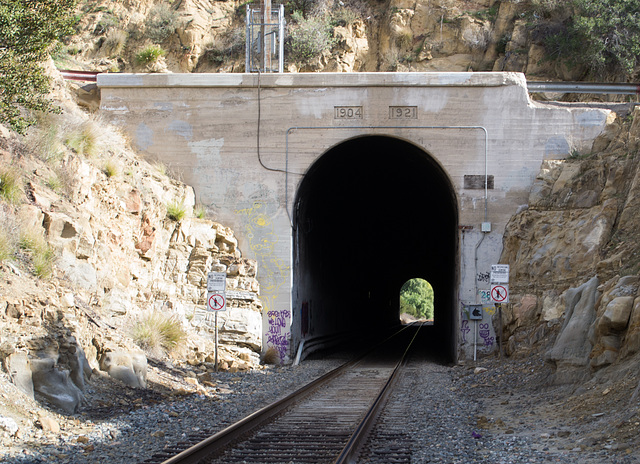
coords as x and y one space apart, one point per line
416 298
603 36
28 29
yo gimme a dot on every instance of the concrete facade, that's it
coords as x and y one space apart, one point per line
246 142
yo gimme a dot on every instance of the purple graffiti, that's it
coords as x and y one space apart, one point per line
485 334
464 328
280 343
275 337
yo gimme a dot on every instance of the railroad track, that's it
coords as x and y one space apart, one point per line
326 421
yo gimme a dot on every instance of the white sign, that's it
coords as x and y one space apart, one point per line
216 301
500 293
216 281
499 273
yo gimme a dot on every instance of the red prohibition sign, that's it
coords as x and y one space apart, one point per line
216 302
499 293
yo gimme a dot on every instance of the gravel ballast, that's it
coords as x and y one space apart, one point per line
491 412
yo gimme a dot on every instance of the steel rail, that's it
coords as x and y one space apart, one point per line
584 87
222 439
351 449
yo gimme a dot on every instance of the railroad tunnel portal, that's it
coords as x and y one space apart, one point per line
370 214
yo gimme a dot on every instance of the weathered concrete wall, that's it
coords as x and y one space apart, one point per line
208 127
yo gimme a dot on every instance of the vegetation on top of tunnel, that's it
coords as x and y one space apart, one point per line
600 36
416 299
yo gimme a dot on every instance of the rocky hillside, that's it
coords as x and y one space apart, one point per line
575 259
103 266
371 35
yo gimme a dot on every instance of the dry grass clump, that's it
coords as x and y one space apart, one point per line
199 211
161 22
45 140
271 356
6 245
84 139
115 42
39 252
111 168
157 333
10 185
404 38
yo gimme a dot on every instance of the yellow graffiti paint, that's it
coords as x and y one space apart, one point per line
262 241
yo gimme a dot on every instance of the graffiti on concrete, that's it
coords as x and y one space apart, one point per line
464 328
278 334
260 233
485 334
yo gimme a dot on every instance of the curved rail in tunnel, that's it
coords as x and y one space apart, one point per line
370 214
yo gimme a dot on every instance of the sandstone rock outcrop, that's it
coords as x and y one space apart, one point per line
400 35
115 254
574 258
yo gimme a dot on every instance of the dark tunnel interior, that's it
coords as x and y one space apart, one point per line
370 214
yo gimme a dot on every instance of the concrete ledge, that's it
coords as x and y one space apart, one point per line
446 79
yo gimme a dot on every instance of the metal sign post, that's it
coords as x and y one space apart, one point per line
475 314
500 293
216 301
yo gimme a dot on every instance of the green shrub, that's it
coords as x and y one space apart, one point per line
10 186
161 22
176 211
489 14
302 7
149 54
157 333
308 38
40 252
603 36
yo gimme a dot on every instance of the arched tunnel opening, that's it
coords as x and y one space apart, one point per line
370 214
